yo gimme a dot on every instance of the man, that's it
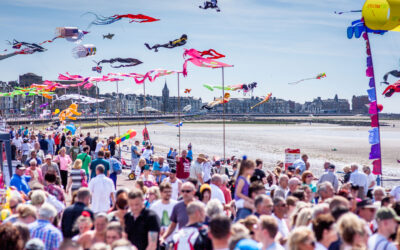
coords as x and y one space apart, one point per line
216 192
17 141
135 155
325 191
378 194
88 141
283 186
175 183
182 166
163 207
301 165
85 158
50 145
207 168
72 212
220 231
102 189
194 235
44 145
371 180
293 184
359 179
18 180
99 161
196 170
87 239
43 228
387 220
179 214
324 231
366 210
141 224
263 205
218 169
111 145
113 232
265 232
280 211
50 167
330 177
33 157
164 168
259 174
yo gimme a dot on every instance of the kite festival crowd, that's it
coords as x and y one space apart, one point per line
64 195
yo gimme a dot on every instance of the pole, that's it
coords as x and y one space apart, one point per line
179 115
118 107
98 109
223 109
79 119
144 104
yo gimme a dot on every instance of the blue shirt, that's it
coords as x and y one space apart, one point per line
20 183
50 145
45 231
189 155
156 166
165 168
133 149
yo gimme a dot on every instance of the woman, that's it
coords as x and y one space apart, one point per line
140 167
64 161
153 194
205 193
301 238
324 230
122 207
148 179
307 177
26 213
68 143
34 172
76 176
352 231
304 217
83 223
147 153
52 188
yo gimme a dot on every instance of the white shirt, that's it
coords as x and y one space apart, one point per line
319 246
164 212
99 145
379 242
147 154
101 188
207 171
371 178
196 169
359 179
175 187
17 142
395 193
282 226
216 193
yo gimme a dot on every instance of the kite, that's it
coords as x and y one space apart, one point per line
391 89
44 105
84 50
348 11
31 91
167 123
208 87
124 62
108 36
187 108
71 34
24 48
69 112
220 88
217 101
170 45
128 135
79 99
85 81
199 58
71 127
187 91
245 87
213 4
102 20
266 99
358 27
139 78
395 73
319 76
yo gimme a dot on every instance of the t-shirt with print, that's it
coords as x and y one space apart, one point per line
183 168
164 212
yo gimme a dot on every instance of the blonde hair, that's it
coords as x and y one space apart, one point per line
350 225
299 235
304 217
77 164
141 160
239 228
25 210
62 149
155 190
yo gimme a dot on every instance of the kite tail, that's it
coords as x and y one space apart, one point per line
349 11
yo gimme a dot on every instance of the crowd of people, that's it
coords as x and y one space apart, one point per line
64 195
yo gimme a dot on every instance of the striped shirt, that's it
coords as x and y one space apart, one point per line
49 234
76 176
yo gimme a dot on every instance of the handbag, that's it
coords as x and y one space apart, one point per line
83 181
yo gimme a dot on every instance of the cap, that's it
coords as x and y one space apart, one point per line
366 203
173 170
48 157
331 166
385 213
147 167
291 168
217 163
20 167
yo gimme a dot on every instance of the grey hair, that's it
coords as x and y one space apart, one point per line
282 176
354 165
216 178
214 207
38 197
195 206
365 168
47 212
322 187
319 209
225 179
293 180
378 188
33 161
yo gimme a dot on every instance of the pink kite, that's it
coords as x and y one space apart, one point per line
198 59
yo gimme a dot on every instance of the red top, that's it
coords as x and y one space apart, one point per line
183 168
57 140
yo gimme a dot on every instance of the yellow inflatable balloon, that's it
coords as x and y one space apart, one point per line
56 111
382 14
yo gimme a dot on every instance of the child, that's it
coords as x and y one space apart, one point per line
156 169
242 188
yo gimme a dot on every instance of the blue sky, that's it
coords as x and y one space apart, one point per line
272 42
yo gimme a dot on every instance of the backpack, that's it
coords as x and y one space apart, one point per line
192 238
116 166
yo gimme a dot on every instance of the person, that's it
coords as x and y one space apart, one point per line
113 232
352 231
242 188
34 172
194 235
141 224
33 156
52 188
324 231
114 166
371 180
25 148
72 212
179 215
76 177
50 167
10 237
39 153
301 238
263 205
50 145
85 158
282 189
44 144
366 210
148 179
190 152
102 190
18 180
196 170
43 228
121 208
164 170
111 145
301 165
205 193
280 211
135 155
176 184
293 184
153 195
330 177
99 146
74 150
207 168
325 191
219 231
218 169
182 167
97 235
99 161
84 224
88 141
387 220
225 190
216 192
378 194
64 162
17 141
265 232
156 169
259 174
307 178
163 207
147 153
359 179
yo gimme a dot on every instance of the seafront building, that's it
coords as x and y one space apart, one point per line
131 104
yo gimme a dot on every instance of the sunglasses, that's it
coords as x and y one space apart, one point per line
186 191
309 176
